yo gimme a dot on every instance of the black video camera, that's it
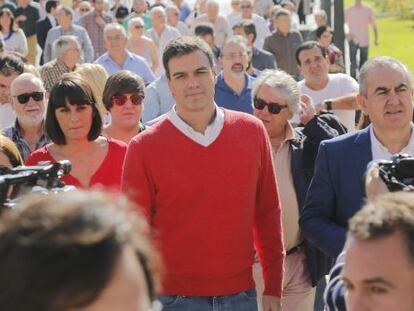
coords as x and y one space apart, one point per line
398 173
43 177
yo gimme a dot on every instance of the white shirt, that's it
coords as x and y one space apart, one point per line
262 30
161 42
339 84
211 133
380 152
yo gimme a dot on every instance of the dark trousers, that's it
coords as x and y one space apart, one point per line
354 48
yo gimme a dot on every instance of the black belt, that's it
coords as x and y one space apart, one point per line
294 249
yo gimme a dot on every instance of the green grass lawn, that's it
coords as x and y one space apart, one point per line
396 38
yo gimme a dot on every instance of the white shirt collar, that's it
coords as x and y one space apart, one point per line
380 152
211 133
52 20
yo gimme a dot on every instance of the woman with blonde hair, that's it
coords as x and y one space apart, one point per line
95 75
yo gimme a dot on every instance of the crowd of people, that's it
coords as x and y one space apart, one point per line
240 141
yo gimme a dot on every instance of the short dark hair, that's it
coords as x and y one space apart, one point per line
183 46
51 4
320 30
11 64
119 83
204 30
59 252
75 91
385 215
250 28
308 45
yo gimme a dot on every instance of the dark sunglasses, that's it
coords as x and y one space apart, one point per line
24 98
138 26
245 6
120 100
273 108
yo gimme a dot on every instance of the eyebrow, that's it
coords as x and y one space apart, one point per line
385 89
371 281
179 73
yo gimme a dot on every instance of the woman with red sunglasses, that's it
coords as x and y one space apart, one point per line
74 125
123 97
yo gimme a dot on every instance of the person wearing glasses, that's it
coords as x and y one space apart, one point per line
28 100
74 125
275 99
140 44
234 86
123 97
77 251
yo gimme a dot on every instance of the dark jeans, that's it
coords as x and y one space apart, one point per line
363 56
244 301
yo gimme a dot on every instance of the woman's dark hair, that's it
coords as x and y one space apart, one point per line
13 27
322 29
119 83
75 91
9 149
59 252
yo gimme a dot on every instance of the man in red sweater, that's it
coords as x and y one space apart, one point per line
205 181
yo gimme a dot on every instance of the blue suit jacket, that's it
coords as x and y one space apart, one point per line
336 191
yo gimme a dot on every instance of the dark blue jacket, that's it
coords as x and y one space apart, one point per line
336 192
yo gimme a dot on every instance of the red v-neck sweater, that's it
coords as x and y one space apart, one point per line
208 206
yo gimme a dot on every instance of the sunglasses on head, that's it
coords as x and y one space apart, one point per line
120 100
273 108
24 98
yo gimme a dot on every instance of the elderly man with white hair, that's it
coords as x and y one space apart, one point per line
275 99
28 99
118 57
66 26
161 33
67 50
222 29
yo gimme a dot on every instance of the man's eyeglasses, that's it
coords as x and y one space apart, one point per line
120 100
84 10
24 98
273 108
245 6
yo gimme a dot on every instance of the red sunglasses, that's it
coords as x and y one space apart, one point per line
120 100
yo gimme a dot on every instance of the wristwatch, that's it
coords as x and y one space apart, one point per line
328 104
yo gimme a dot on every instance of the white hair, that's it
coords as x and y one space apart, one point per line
26 77
62 44
278 79
213 3
112 26
157 9
381 62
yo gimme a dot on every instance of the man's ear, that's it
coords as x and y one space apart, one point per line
362 102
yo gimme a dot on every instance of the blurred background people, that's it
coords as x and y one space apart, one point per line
14 38
95 255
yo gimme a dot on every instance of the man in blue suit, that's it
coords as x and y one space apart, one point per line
336 192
